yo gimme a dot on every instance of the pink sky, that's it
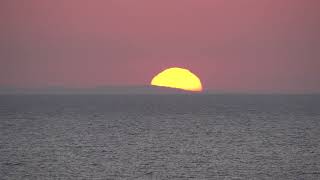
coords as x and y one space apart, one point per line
244 45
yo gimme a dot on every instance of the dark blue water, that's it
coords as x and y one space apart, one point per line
159 137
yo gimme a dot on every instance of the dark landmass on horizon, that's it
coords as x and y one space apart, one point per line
96 90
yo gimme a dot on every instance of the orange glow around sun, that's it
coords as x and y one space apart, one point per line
177 78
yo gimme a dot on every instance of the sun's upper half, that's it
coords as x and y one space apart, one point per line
179 78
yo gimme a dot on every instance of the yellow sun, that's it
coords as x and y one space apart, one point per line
177 78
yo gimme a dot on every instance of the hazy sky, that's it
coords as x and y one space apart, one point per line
233 45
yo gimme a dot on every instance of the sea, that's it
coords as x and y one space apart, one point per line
170 136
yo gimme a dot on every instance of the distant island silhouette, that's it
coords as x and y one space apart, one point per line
96 90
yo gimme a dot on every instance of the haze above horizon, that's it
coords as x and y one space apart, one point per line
233 46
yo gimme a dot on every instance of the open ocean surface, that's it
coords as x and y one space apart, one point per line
159 137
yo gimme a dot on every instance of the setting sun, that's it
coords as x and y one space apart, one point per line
177 78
